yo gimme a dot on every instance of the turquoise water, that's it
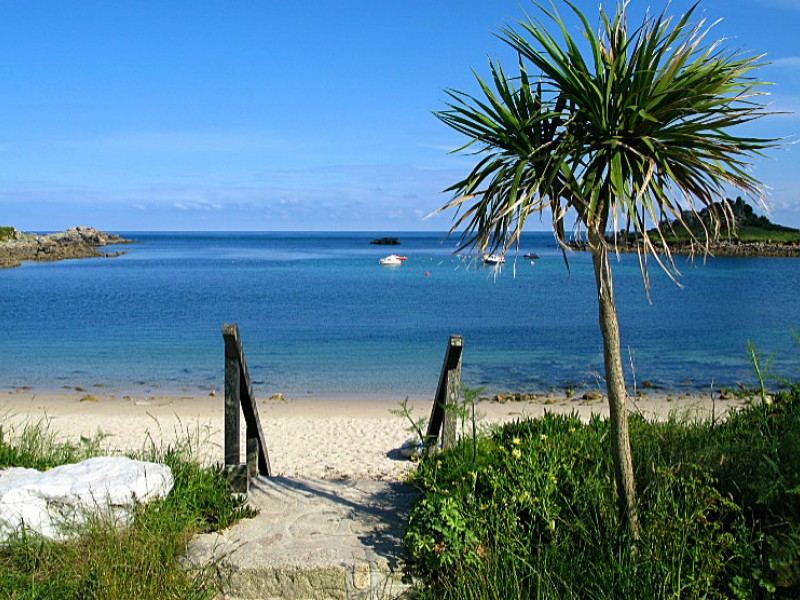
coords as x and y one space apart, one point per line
319 316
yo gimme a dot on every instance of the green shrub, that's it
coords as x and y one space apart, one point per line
532 513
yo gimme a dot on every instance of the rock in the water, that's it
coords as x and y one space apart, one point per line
386 241
49 502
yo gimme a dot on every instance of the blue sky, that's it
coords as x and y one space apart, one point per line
197 115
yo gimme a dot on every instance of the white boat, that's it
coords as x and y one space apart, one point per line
391 261
494 259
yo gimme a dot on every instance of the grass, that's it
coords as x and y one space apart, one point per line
142 560
529 510
754 234
743 233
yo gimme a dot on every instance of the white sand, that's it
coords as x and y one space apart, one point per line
316 438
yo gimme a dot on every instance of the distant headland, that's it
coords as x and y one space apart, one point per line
753 235
76 242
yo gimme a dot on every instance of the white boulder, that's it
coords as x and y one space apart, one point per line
49 502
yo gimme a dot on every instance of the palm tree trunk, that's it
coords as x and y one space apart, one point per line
615 384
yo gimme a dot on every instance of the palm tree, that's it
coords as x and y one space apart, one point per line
641 128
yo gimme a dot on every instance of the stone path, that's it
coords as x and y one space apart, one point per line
313 539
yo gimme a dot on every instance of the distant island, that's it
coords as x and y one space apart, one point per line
753 235
76 242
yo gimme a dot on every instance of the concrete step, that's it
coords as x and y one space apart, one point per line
313 539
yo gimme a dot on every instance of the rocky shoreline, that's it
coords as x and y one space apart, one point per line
76 242
734 248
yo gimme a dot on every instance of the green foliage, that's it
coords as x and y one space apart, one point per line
141 560
533 514
742 224
622 128
6 232
36 447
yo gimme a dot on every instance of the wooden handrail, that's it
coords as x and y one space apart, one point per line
448 392
239 393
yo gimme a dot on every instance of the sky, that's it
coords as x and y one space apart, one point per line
294 116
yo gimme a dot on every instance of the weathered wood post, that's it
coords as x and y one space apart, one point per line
232 398
443 416
239 393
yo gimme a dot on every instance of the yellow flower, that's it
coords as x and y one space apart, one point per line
516 453
543 437
516 441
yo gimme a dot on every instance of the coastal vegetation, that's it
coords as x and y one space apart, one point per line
613 137
528 510
143 560
6 233
742 224
742 233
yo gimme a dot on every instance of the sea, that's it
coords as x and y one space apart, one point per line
318 316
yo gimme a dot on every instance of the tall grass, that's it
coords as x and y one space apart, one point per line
532 514
104 560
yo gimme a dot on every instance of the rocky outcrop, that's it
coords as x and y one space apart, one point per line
737 248
386 241
76 242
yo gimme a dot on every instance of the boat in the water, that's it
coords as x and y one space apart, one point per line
531 256
494 259
393 260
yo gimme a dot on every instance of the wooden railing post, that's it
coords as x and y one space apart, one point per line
443 417
232 401
239 393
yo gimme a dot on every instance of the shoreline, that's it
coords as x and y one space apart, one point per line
574 389
719 249
318 438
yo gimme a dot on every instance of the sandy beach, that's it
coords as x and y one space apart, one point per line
306 437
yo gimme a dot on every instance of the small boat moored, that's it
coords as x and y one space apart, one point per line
531 256
494 259
393 260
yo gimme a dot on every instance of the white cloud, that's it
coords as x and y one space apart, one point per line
790 62
197 206
175 142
